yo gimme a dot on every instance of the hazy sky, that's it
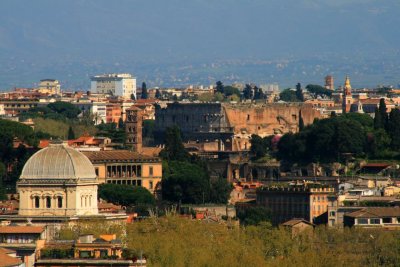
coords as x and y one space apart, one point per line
158 31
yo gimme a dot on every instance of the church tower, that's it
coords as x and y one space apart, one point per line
133 129
347 97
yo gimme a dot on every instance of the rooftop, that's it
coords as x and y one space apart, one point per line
118 156
58 161
376 212
21 230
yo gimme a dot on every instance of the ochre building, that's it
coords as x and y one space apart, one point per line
127 167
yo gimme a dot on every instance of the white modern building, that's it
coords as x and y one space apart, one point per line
115 84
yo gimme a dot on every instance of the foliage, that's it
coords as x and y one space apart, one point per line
15 129
125 195
148 131
174 149
393 129
326 140
219 87
71 134
158 94
65 109
288 95
185 182
299 93
174 241
144 91
254 215
110 130
260 146
318 90
57 253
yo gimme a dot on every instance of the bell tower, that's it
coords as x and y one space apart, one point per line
347 97
133 129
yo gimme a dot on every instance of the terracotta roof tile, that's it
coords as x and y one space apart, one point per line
8 261
117 155
375 212
21 230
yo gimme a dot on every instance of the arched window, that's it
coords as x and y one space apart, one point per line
59 202
48 202
85 201
37 202
90 201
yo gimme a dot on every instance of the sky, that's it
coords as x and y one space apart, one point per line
157 38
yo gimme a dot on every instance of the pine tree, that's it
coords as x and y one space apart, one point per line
220 87
71 134
144 91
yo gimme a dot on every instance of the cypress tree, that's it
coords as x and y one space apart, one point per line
301 122
71 134
144 91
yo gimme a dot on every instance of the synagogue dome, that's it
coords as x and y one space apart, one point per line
58 161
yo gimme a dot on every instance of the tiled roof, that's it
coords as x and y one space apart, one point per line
21 230
6 260
116 155
376 212
293 222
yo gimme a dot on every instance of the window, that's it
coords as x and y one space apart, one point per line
96 170
375 221
59 202
332 213
362 221
387 220
151 185
37 202
151 170
48 202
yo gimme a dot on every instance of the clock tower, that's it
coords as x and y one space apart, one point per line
133 129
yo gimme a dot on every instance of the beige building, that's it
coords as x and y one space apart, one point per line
58 181
49 86
115 84
127 167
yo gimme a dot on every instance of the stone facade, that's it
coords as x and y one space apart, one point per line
231 125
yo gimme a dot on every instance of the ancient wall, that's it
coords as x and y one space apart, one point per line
268 119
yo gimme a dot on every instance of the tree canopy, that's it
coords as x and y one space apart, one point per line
125 195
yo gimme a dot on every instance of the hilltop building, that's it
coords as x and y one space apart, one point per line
49 86
123 85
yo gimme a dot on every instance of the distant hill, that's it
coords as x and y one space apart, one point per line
172 41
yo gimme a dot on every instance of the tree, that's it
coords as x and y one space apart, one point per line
133 97
185 182
230 90
158 94
125 195
65 109
383 112
248 92
258 148
121 124
220 87
174 149
299 93
144 91
71 134
254 215
393 128
318 90
301 122
288 95
219 97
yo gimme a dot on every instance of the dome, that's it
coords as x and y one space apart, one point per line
58 161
